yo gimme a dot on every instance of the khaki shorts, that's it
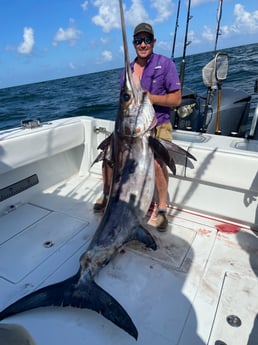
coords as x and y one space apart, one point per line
164 131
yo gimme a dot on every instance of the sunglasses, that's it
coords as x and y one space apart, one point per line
146 40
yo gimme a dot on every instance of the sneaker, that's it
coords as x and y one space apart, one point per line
100 204
152 211
161 221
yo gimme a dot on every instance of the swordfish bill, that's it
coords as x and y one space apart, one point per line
130 196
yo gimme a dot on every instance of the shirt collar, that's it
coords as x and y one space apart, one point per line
148 61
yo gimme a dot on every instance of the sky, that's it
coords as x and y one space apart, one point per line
49 39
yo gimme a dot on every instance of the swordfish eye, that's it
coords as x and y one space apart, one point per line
126 96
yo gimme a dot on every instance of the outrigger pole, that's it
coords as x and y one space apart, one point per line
218 32
186 43
219 83
176 27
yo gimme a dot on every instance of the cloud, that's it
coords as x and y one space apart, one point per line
105 40
192 38
28 41
136 13
164 9
70 34
201 2
245 22
107 55
84 5
164 45
108 16
208 34
10 48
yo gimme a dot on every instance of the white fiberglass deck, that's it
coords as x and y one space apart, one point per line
186 292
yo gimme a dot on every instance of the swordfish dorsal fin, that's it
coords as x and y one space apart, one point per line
75 292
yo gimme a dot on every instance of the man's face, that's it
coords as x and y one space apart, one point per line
143 44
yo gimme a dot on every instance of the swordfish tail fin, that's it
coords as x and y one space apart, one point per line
76 292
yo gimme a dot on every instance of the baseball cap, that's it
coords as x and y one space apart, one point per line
143 27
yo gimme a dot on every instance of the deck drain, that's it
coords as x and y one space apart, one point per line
234 321
48 244
220 342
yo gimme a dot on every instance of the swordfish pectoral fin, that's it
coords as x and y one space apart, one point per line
75 292
100 157
104 146
142 235
105 143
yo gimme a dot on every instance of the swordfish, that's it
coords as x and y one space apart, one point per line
130 197
132 152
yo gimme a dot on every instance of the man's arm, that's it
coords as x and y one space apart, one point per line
172 99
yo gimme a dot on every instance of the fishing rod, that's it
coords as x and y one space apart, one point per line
176 27
219 81
186 43
214 73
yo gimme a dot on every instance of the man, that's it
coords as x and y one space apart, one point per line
159 78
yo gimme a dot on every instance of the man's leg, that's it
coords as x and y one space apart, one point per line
161 184
107 178
161 180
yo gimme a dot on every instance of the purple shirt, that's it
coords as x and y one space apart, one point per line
159 77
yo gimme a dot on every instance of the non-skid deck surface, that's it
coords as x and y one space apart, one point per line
199 287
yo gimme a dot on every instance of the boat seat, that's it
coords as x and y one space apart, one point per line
220 185
33 146
227 169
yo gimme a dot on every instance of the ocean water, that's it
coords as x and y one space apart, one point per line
97 94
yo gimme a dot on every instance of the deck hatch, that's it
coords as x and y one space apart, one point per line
32 246
235 320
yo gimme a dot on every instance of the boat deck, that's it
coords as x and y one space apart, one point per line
199 287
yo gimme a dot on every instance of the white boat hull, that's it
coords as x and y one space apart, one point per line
206 266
